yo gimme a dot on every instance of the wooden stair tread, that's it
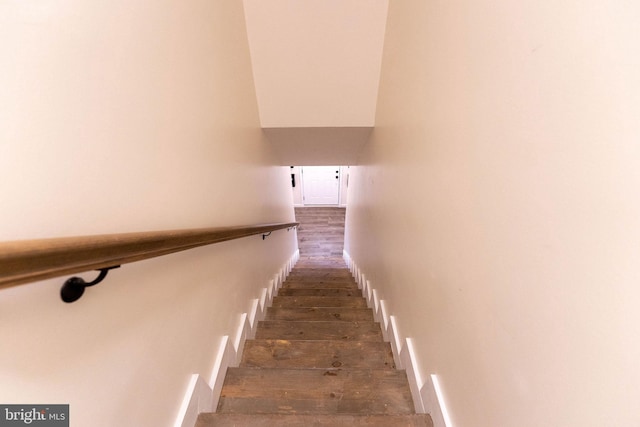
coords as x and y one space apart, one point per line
318 330
280 420
322 292
319 272
314 301
345 278
319 314
319 284
321 262
342 391
317 354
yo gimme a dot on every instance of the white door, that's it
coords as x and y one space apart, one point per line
321 185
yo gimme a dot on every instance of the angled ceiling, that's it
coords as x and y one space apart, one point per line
316 65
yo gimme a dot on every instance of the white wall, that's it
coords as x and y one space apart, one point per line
131 116
344 185
496 209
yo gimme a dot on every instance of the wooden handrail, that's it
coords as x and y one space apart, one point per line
32 260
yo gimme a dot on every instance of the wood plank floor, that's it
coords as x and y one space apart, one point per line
321 231
318 357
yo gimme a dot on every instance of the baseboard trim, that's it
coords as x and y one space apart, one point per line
253 318
376 303
203 396
271 290
225 358
434 403
240 338
196 399
264 302
395 341
384 319
410 363
425 390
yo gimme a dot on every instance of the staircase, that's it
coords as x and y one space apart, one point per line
318 359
